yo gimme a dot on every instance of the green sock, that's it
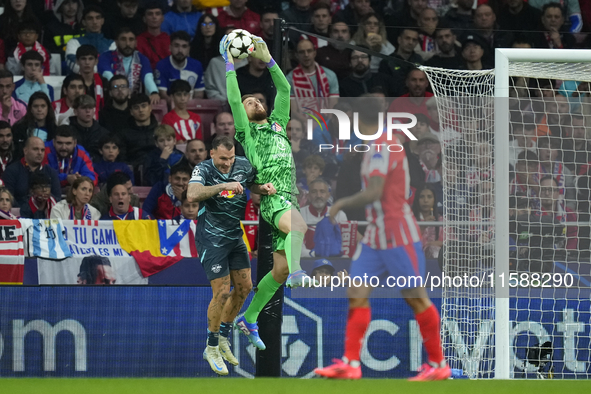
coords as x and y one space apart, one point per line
293 250
265 290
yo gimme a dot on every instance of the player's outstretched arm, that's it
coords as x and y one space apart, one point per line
372 193
281 107
234 96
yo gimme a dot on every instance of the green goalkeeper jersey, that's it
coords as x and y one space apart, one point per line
266 145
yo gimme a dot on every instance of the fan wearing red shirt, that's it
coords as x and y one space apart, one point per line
154 43
415 101
186 124
237 16
72 87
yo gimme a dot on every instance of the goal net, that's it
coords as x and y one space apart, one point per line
516 178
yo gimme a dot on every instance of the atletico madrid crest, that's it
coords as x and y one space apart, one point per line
276 127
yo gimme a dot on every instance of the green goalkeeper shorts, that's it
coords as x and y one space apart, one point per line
272 208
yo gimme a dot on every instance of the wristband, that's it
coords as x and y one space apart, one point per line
271 63
229 66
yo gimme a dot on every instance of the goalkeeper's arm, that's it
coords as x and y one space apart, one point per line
281 107
234 97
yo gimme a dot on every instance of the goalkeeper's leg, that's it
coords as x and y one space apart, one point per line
292 223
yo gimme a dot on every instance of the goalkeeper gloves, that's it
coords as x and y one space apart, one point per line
224 44
261 51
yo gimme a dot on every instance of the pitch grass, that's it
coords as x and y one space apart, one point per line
285 386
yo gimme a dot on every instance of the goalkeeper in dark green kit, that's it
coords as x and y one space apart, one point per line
268 149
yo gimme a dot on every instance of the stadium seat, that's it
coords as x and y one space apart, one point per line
142 192
159 110
207 109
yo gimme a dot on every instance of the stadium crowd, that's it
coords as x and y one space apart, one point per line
142 94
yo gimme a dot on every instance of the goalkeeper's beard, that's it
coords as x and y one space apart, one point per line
258 115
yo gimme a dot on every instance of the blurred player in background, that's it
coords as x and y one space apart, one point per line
268 149
391 246
219 182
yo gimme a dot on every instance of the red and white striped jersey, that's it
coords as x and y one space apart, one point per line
391 221
12 253
186 129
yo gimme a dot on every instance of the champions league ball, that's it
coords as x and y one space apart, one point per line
241 44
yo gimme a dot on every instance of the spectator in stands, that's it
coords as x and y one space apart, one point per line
6 201
428 22
334 57
69 159
428 149
187 124
525 183
180 66
7 153
352 13
313 169
301 148
317 209
321 20
552 204
40 202
481 168
28 34
165 198
12 109
554 33
120 198
154 43
115 115
16 177
448 55
300 14
126 60
237 16
138 137
518 15
87 60
76 205
256 78
195 152
309 80
160 161
182 16
101 200
550 164
88 130
372 34
93 19
72 87
461 17
205 44
126 15
415 101
524 137
267 20
483 210
15 12
576 150
424 207
64 24
485 22
419 130
108 164
223 124
363 80
33 80
38 122
189 210
473 49
407 42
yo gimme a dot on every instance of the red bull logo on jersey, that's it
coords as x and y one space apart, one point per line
227 194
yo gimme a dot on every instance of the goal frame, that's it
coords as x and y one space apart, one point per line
501 158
